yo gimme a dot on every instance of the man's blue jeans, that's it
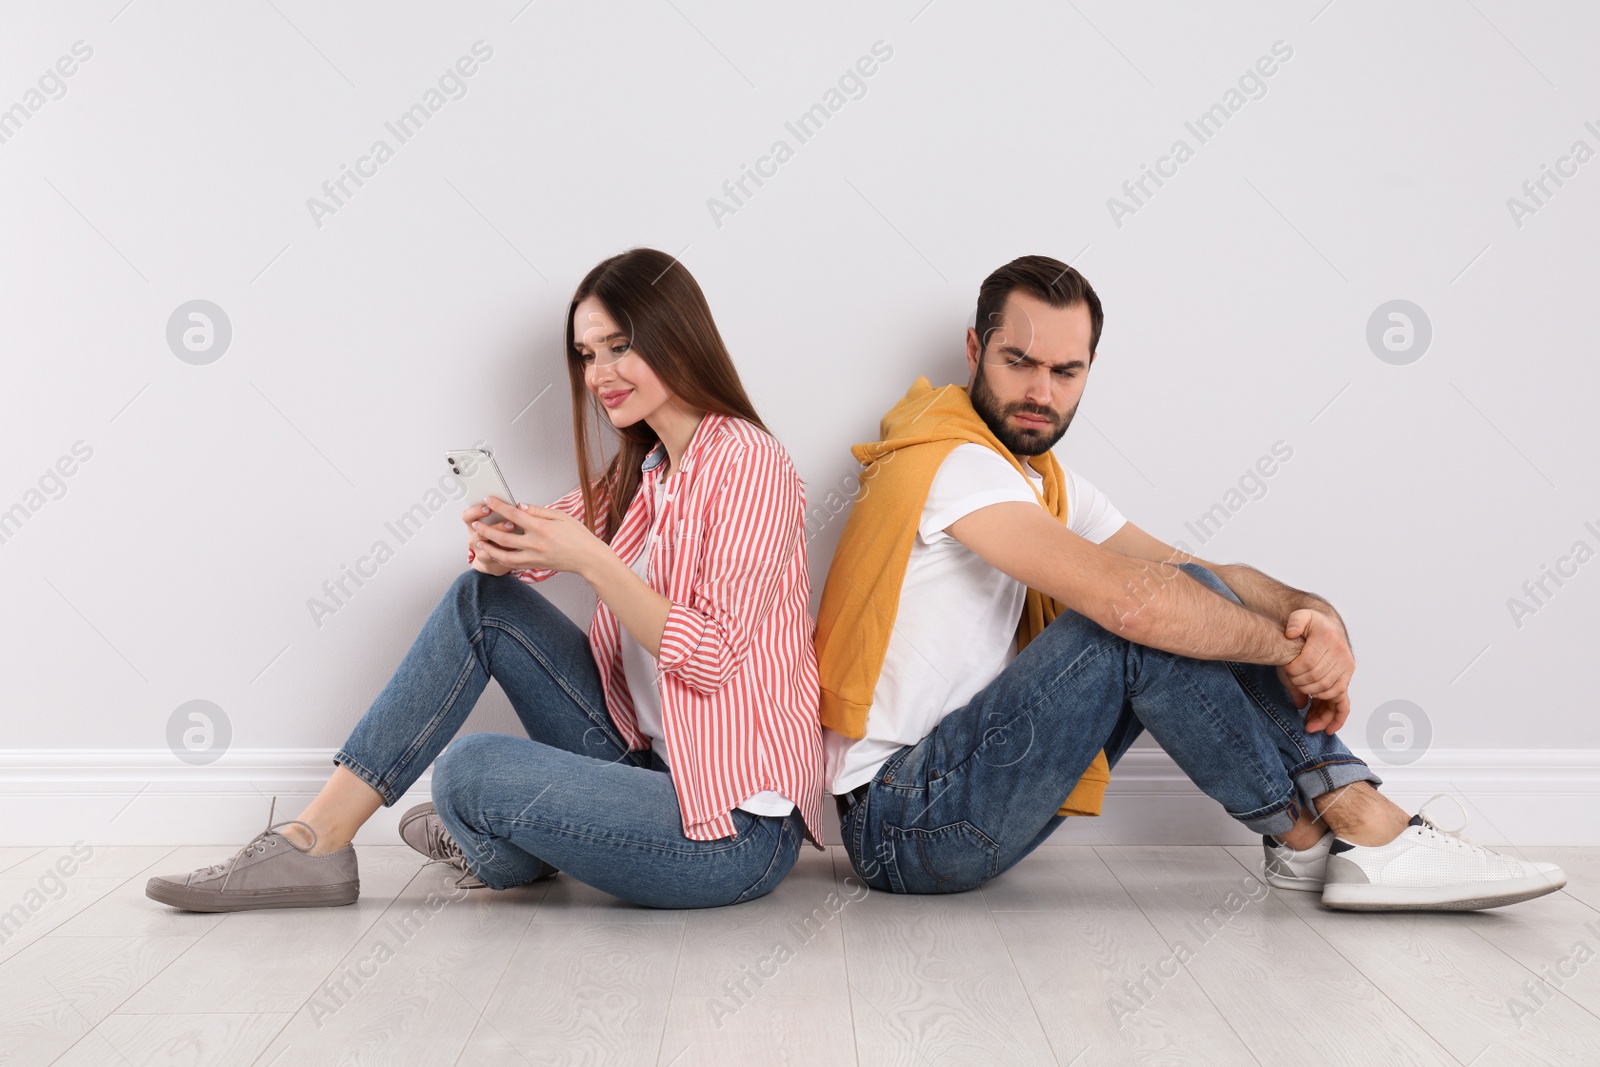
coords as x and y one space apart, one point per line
569 795
982 790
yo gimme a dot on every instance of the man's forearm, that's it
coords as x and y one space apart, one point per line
1162 607
1267 596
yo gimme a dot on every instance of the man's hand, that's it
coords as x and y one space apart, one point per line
548 539
1322 670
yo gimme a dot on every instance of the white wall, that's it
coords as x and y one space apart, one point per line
424 313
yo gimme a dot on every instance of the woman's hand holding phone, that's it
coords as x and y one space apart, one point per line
549 539
480 560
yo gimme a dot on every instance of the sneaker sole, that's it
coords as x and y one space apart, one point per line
1300 883
187 899
1346 896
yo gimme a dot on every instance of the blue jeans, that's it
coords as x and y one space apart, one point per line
982 790
570 796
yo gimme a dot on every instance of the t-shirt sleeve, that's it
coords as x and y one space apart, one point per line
1090 513
972 476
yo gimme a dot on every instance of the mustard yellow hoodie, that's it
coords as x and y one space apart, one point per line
862 593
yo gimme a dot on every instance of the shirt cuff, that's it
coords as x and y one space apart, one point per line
680 637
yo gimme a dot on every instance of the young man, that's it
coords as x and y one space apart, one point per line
993 635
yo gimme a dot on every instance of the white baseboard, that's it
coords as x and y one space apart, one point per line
1517 796
147 797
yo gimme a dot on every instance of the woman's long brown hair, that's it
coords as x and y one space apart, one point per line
655 300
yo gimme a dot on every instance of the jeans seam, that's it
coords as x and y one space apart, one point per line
1100 647
1329 762
921 838
601 719
885 773
1046 692
1320 769
784 832
1288 803
627 842
420 740
858 833
1225 728
1247 683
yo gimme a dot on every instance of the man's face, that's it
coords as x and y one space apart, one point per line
1027 380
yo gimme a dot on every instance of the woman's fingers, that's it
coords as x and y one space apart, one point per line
500 511
504 533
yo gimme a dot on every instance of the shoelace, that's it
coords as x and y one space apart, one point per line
1455 836
445 850
465 880
259 843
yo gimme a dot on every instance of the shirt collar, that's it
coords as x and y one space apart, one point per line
658 455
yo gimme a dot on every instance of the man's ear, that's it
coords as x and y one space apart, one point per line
972 351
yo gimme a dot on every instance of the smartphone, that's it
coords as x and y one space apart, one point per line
481 476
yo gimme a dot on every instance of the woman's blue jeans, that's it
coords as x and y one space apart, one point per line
570 795
982 790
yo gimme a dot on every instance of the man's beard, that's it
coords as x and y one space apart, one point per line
1020 442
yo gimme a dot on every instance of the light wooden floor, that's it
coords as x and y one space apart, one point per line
1080 955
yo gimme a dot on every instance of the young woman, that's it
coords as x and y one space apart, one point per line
673 756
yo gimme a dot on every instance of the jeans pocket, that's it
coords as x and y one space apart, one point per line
949 859
889 774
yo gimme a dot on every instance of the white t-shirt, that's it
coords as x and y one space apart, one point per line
639 668
956 626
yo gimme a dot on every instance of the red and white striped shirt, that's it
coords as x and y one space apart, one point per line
738 668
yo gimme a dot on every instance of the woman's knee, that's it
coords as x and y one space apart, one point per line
465 597
459 769
505 596
474 588
468 582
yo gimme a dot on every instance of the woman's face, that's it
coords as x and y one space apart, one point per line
616 374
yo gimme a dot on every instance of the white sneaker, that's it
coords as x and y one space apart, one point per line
1431 868
1289 868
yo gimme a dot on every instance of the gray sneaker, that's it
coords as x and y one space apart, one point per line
423 830
270 871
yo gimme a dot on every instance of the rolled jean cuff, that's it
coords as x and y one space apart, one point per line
1327 773
1311 779
345 760
1273 819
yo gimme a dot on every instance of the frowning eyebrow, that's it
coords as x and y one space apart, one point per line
608 337
1022 357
